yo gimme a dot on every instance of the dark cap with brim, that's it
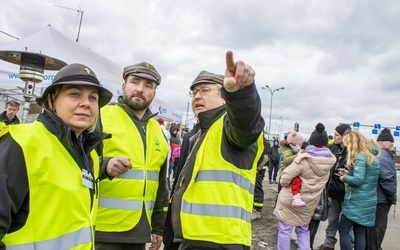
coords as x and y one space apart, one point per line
385 135
77 74
144 70
207 77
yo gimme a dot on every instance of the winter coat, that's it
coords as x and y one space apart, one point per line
174 140
274 154
360 199
387 181
314 173
4 121
287 156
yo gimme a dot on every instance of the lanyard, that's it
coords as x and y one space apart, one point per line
83 153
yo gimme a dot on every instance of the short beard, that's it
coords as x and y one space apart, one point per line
139 106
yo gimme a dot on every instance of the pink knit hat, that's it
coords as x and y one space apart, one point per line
294 138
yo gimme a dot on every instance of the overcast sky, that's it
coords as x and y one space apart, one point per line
339 60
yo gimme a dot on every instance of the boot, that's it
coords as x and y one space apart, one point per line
270 182
297 201
323 247
255 215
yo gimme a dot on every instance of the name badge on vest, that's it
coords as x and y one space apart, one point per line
87 179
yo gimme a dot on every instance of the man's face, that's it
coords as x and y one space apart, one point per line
338 138
11 111
387 145
206 96
138 93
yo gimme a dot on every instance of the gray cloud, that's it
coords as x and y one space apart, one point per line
338 60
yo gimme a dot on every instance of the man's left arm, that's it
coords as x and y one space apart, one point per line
243 103
387 178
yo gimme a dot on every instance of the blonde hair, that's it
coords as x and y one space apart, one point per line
48 103
358 143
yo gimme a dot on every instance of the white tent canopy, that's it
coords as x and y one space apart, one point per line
50 42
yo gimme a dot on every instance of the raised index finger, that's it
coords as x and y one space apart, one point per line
230 64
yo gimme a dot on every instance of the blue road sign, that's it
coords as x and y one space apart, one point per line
397 127
357 124
396 133
377 126
374 131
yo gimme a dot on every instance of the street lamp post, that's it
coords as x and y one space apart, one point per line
270 106
280 128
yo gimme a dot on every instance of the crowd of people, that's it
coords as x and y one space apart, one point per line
89 174
351 183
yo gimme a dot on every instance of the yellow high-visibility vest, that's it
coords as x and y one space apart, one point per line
3 124
218 201
121 200
60 213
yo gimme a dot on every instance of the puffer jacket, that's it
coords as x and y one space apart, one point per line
360 199
314 173
287 156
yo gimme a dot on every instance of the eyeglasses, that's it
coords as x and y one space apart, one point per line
203 91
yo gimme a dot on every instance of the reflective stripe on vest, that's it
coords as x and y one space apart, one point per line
138 175
226 176
216 210
67 217
220 193
66 241
121 200
124 204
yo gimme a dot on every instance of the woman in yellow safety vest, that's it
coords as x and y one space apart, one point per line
49 167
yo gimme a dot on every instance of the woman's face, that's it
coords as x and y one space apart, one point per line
77 106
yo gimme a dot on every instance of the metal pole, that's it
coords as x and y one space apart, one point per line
270 113
80 23
25 111
187 115
270 106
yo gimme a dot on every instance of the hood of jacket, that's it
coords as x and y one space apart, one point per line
172 129
320 166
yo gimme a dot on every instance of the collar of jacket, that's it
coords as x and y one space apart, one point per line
57 127
207 118
147 115
4 118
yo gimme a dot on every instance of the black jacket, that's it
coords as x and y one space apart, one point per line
4 118
336 186
274 154
14 189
